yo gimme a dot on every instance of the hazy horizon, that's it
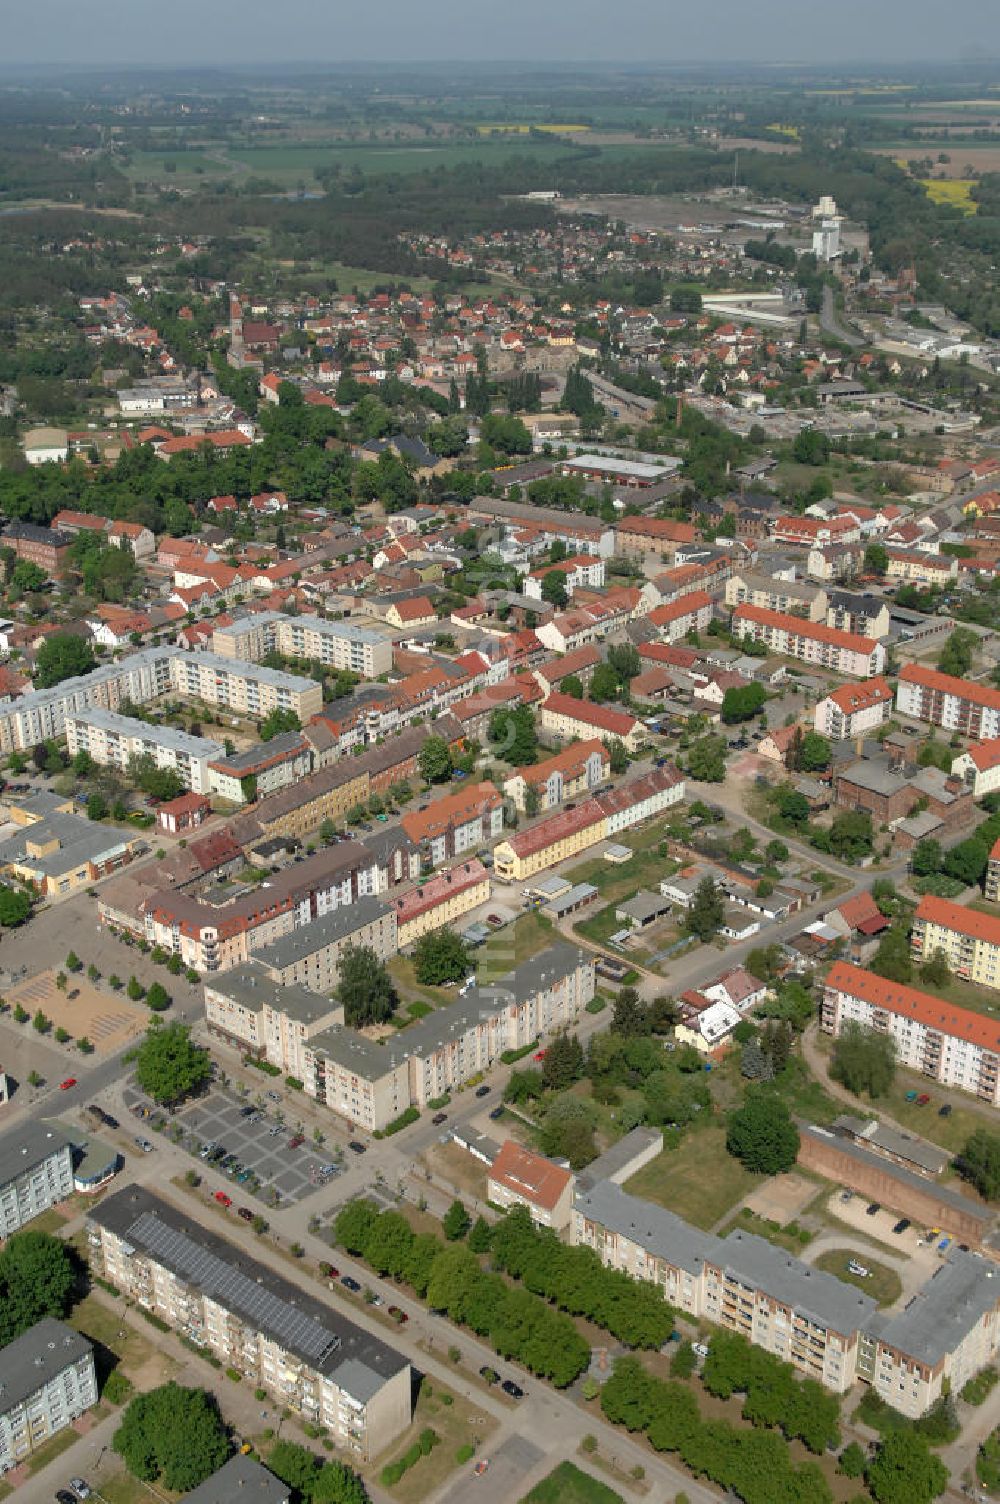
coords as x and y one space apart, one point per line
190 34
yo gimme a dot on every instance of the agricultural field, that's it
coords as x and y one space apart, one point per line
298 163
957 192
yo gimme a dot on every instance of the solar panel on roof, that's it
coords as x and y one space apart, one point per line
294 1329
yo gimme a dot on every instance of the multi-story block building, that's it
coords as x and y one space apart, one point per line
247 689
943 1337
304 1352
568 718
300 808
811 642
263 769
979 768
370 1082
791 597
45 546
580 769
36 1172
113 741
867 615
951 1045
241 1480
455 824
970 940
992 884
41 715
310 955
582 571
47 1380
854 710
961 705
440 900
688 613
336 644
803 1316
918 567
551 841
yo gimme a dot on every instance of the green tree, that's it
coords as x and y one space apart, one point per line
926 857
935 969
979 1163
956 656
169 1066
761 1134
513 735
434 760
365 987
97 807
814 753
62 656
277 721
158 998
743 703
15 906
864 1060
172 1435
28 576
876 559
851 1461
135 989
456 1222
440 956
481 1236
629 1016
37 1278
563 1063
554 589
851 835
617 754
905 1471
706 759
707 910
892 958
571 685
604 683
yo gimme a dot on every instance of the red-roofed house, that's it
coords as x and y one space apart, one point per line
563 716
979 765
418 611
135 536
520 1177
854 710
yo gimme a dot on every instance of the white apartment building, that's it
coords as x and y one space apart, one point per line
811 642
950 1045
368 1082
582 571
308 1356
979 766
41 715
970 708
791 597
337 644
47 1380
247 689
113 741
36 1172
854 710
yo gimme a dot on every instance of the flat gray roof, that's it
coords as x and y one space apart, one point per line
344 921
620 1155
944 1310
29 1145
564 902
78 840
655 1229
240 1481
36 1357
908 1180
825 1299
286 744
317 1334
252 986
346 630
240 669
154 731
893 1141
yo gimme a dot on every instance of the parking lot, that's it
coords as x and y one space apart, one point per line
260 1146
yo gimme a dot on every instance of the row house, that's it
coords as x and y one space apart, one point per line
918 568
688 613
811 642
580 769
956 705
456 823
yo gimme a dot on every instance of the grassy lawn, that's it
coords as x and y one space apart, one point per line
103 1326
965 994
948 1133
402 972
51 1221
52 1449
698 1180
152 166
517 942
457 1422
644 868
884 1284
568 1484
783 1237
124 1489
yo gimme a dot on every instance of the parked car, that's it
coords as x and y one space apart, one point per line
299 1138
923 1099
81 1486
481 1467
539 1055
945 1111
482 1091
514 1390
64 1496
439 1117
872 1208
245 1213
911 1096
496 1113
65 1085
859 1269
329 1271
349 1283
273 1096
223 1199
144 1145
356 1147
902 1225
494 920
700 1348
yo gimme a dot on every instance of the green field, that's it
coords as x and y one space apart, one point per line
154 166
883 1284
568 1484
292 164
698 1179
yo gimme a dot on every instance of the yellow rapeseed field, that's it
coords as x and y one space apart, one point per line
956 191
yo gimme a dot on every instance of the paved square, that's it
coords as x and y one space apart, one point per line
109 1020
260 1148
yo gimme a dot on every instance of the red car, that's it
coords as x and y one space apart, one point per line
539 1056
923 1100
223 1199
329 1271
293 1143
65 1085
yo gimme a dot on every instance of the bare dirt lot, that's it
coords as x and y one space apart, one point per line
108 1020
781 1199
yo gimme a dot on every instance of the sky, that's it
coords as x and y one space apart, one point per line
184 32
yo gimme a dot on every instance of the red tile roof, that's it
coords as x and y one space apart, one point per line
908 1002
684 605
851 698
954 916
614 722
452 810
439 889
947 684
797 626
529 1175
556 828
986 755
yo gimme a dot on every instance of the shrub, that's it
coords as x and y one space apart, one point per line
589 1443
235 1375
465 1454
117 1388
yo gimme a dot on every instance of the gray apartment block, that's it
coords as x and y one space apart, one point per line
36 1172
240 1481
47 1379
